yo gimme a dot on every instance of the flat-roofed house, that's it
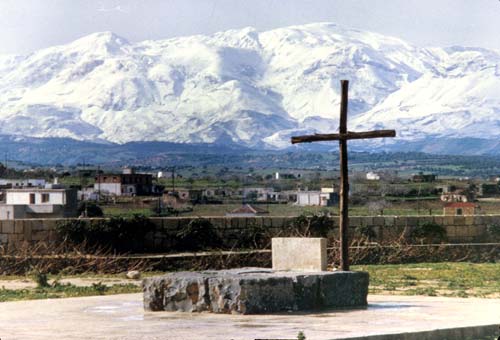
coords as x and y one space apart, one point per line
38 203
126 184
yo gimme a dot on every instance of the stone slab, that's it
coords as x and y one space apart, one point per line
122 317
254 291
299 253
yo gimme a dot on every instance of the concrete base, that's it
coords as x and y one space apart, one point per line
254 291
122 317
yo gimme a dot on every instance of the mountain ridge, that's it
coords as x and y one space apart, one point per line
251 88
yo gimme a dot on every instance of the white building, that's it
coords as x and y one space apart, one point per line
325 197
372 176
38 203
305 198
21 183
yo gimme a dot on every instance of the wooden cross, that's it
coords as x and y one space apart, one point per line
342 137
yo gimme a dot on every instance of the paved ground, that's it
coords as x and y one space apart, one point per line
77 281
122 317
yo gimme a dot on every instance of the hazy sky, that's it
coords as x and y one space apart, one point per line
27 25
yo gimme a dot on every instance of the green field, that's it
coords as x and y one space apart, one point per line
435 279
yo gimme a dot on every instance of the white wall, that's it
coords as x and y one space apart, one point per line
308 198
110 188
23 197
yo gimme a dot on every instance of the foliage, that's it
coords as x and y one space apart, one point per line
254 236
494 231
366 232
40 278
117 233
198 234
89 209
428 233
317 225
301 336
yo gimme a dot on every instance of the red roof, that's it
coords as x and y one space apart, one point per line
460 205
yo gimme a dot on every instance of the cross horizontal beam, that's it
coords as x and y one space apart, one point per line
343 136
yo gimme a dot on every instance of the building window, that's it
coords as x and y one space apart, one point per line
459 211
32 198
45 198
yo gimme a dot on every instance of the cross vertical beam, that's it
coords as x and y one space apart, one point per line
342 137
344 181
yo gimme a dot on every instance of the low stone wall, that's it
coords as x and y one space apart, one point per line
459 228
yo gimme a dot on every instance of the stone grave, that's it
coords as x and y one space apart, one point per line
298 281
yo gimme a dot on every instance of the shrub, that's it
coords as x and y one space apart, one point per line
313 225
366 232
117 233
493 231
428 233
198 234
89 209
41 279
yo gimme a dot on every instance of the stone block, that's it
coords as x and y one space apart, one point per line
267 222
449 220
400 221
183 292
469 220
42 235
462 231
478 220
389 221
451 231
438 220
4 238
27 231
379 221
37 225
352 285
299 253
459 220
8 227
355 221
250 295
254 291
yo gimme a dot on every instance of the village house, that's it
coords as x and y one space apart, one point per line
127 183
327 197
182 198
22 183
455 196
460 208
52 202
258 194
372 176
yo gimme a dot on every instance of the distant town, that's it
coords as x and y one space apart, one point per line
89 191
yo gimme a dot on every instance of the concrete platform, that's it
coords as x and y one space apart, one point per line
123 317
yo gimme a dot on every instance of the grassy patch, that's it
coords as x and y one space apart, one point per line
436 279
56 291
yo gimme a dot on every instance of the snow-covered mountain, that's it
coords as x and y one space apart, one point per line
248 87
